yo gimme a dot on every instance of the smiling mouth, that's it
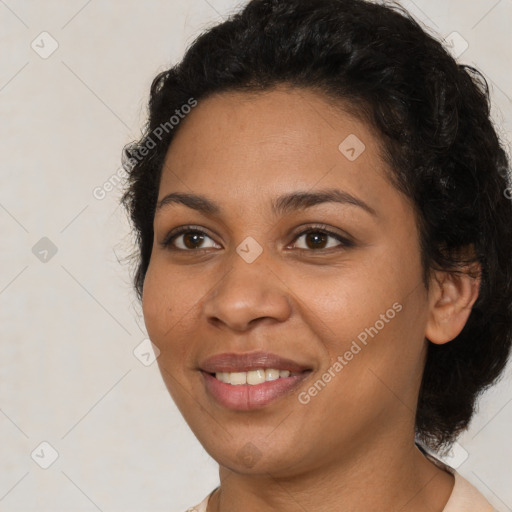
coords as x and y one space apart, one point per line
253 377
252 389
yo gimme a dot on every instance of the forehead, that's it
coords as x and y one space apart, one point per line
241 146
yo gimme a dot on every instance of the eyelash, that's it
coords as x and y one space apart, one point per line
344 242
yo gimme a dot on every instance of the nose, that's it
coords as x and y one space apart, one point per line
247 294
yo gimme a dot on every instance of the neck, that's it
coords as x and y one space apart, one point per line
397 478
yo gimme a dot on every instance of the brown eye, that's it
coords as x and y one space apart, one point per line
192 240
318 239
187 239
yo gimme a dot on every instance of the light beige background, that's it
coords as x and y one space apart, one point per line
70 325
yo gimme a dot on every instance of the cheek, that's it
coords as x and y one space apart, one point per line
170 305
155 307
376 361
371 321
166 299
164 308
342 302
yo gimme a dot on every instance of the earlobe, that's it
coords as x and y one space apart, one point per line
452 297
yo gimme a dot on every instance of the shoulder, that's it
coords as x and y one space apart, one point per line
202 506
465 497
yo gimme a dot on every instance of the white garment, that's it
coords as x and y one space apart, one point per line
464 497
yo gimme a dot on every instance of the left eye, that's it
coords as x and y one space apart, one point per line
316 239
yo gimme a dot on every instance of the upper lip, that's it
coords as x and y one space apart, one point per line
246 361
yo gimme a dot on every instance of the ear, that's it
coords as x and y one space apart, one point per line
451 298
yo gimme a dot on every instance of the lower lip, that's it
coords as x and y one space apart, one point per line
245 397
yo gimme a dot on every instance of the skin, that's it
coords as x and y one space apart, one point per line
351 447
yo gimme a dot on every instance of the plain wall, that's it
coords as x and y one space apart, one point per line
70 321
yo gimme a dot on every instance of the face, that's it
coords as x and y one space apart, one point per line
297 254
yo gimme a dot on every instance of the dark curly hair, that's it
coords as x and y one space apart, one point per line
433 118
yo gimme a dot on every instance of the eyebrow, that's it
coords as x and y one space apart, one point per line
282 205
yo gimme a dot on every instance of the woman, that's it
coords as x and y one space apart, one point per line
324 255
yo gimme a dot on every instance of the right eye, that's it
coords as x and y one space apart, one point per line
186 239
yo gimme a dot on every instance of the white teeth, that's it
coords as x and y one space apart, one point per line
223 376
237 378
271 374
253 377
